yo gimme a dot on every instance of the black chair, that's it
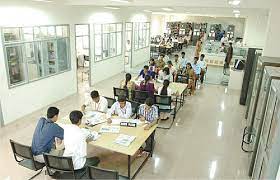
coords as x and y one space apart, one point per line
182 79
63 167
26 157
134 107
110 101
153 52
164 104
120 92
98 173
162 50
140 96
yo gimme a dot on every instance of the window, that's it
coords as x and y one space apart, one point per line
107 40
141 35
82 44
33 53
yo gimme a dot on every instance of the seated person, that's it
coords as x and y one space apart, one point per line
96 103
162 42
164 57
145 71
176 63
172 69
183 61
165 91
147 85
165 74
128 84
46 134
121 108
189 72
148 112
160 63
152 65
203 66
75 142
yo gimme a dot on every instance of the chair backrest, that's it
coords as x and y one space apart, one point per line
110 101
182 78
134 106
59 163
120 92
140 96
21 151
98 173
162 100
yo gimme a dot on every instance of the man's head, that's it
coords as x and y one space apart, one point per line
122 101
202 56
183 54
176 57
161 56
95 96
76 117
169 64
146 69
148 104
52 113
195 59
230 43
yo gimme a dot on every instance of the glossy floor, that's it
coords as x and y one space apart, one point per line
204 142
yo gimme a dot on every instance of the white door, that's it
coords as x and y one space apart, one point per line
128 46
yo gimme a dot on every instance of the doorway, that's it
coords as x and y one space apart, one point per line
128 46
83 56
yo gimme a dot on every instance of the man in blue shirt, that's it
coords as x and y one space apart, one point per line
145 71
196 68
47 132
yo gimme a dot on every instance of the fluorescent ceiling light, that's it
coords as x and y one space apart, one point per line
111 7
149 11
236 11
42 0
234 2
167 9
121 1
237 15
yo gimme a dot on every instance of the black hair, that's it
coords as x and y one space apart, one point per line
152 59
149 101
121 99
52 111
189 65
166 70
164 88
162 54
196 58
146 67
183 53
176 55
169 62
202 55
94 94
127 79
146 79
75 116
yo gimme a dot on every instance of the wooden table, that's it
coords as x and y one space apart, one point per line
106 141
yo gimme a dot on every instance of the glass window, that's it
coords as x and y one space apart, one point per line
97 28
113 44
36 32
11 34
27 34
98 48
62 31
51 61
119 27
141 35
15 65
44 32
105 46
51 31
82 30
112 27
119 43
106 28
62 55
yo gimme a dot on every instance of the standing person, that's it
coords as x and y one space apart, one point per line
198 47
128 84
176 63
197 69
228 56
189 72
75 142
148 112
183 61
165 91
147 85
47 134
121 108
203 66
96 103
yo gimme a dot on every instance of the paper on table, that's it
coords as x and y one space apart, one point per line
93 135
109 129
124 140
94 118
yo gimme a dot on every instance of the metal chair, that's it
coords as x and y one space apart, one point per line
26 157
98 173
110 101
134 107
120 92
164 104
63 167
140 96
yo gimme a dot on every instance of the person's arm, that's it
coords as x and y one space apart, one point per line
87 103
110 112
141 113
103 105
155 119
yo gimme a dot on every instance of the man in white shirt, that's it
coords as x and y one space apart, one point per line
121 108
183 61
203 66
75 142
96 103
224 39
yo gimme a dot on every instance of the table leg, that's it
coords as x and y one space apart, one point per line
129 166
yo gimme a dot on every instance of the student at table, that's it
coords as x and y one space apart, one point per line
172 69
147 85
163 56
183 61
203 66
176 63
165 74
96 103
75 142
197 69
162 42
165 91
128 84
121 108
148 112
47 134
189 72
160 62
145 71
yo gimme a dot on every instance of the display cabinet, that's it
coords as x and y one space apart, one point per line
230 32
268 156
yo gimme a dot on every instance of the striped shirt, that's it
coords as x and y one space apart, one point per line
150 115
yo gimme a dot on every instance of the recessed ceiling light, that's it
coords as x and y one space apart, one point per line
43 0
237 15
149 11
167 9
234 2
236 11
121 1
111 7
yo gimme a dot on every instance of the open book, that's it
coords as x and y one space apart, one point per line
124 140
94 118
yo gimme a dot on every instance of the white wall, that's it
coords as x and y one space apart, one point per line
140 56
25 99
255 29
